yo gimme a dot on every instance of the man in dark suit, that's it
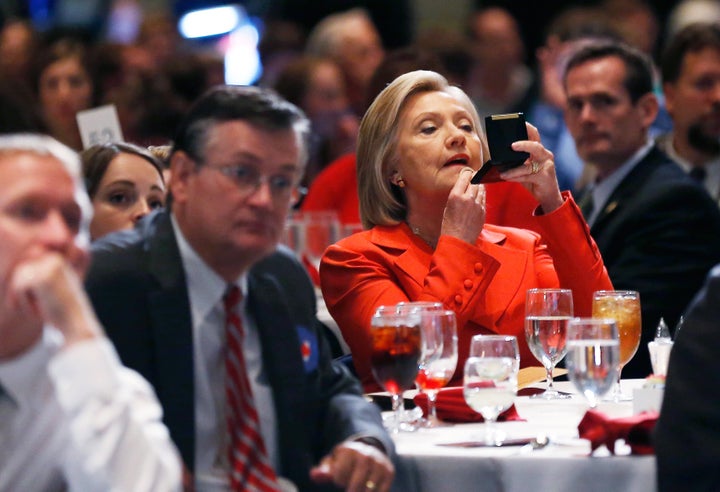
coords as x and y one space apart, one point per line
687 436
658 230
161 290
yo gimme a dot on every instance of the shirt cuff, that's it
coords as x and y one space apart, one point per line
85 369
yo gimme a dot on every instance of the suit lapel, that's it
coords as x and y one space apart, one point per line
626 190
171 323
283 363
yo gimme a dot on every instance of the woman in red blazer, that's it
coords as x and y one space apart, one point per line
427 239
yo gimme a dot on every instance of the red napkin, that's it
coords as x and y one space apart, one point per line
599 429
451 407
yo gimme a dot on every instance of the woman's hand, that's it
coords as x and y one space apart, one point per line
537 174
464 215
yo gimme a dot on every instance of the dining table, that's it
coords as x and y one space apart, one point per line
453 457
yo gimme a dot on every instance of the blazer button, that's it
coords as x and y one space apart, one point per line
478 268
468 284
458 299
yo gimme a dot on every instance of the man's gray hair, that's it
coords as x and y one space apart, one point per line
44 145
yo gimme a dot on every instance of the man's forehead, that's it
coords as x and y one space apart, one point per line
239 138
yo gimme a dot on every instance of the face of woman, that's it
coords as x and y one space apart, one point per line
64 88
436 140
130 188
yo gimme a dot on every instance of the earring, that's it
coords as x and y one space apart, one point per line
399 182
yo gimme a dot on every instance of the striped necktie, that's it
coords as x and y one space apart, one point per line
250 467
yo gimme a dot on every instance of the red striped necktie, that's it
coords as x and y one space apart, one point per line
250 467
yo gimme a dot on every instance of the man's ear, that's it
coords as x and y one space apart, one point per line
182 168
648 107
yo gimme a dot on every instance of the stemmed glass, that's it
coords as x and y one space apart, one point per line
322 229
547 312
593 352
409 418
490 379
396 348
624 307
439 359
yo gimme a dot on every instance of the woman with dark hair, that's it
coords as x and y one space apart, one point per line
64 84
125 183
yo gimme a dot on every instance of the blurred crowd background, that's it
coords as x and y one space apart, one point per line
152 58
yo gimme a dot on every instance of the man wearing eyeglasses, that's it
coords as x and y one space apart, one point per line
250 394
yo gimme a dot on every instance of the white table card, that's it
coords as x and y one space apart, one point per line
99 125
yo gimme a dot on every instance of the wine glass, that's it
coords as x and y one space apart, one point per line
410 417
593 352
439 357
547 312
322 229
624 307
490 379
396 348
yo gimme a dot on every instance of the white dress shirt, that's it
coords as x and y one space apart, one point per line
206 290
75 419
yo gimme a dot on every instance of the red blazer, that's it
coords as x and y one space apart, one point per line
485 283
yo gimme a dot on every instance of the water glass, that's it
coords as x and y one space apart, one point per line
593 352
547 312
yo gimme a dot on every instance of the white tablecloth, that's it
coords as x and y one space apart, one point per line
564 465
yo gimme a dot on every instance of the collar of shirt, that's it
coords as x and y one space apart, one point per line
205 287
19 376
602 190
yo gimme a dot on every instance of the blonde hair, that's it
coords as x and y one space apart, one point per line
382 203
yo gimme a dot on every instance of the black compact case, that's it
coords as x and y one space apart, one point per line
502 130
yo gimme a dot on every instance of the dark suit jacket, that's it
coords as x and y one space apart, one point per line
687 436
659 234
137 285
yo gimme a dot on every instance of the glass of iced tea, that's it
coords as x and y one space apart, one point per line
396 350
624 307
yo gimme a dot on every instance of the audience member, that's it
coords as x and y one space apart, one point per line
657 229
71 417
18 47
687 435
688 12
317 86
636 21
428 240
125 183
64 86
187 273
499 79
691 82
351 39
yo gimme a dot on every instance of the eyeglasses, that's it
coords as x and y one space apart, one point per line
249 181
